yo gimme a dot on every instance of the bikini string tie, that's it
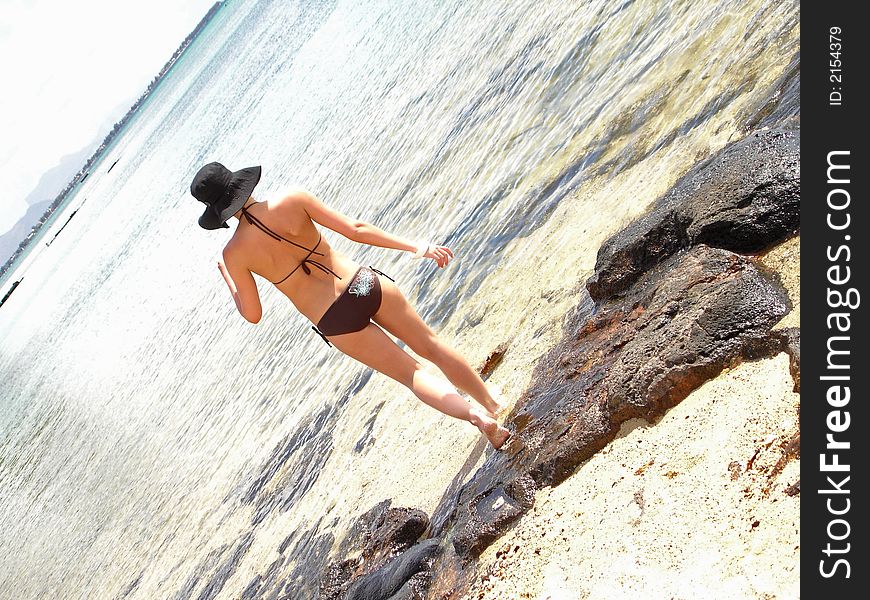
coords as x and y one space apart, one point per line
382 273
320 333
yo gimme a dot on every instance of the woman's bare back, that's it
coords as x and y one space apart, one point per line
310 292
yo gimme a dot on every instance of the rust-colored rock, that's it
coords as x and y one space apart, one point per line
493 360
791 344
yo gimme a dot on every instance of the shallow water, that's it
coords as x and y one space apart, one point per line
155 445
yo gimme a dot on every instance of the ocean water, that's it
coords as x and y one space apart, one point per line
153 444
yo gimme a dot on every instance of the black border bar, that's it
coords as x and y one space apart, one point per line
834 301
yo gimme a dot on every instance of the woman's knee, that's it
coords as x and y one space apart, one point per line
406 374
430 348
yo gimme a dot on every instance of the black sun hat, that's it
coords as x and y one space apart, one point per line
223 191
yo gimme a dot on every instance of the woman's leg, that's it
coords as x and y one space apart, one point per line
372 347
398 317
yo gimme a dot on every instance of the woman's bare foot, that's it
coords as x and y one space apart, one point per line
495 433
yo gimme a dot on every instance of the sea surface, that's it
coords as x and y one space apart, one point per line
153 444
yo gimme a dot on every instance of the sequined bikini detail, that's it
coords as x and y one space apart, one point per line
363 284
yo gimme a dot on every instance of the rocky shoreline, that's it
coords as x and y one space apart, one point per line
677 297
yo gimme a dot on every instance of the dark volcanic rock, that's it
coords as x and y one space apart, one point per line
377 537
490 514
677 327
400 528
338 576
711 308
386 581
362 528
416 587
643 244
745 198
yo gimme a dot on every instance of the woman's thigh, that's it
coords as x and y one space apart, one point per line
398 317
374 348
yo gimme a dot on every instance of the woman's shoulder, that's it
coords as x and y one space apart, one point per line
292 205
231 251
291 194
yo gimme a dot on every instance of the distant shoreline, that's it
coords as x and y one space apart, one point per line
85 171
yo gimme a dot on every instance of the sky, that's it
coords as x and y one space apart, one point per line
69 71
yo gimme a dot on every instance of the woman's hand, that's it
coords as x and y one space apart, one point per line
440 254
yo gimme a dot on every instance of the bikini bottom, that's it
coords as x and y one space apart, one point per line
354 308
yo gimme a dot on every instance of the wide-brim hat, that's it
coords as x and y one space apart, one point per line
223 191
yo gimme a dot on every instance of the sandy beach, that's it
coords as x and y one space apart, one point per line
688 507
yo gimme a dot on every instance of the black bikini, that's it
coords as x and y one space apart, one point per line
353 309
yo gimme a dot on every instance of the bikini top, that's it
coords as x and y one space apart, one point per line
262 227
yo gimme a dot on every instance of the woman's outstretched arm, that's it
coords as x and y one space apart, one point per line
366 233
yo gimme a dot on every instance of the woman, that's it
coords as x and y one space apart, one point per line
278 241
